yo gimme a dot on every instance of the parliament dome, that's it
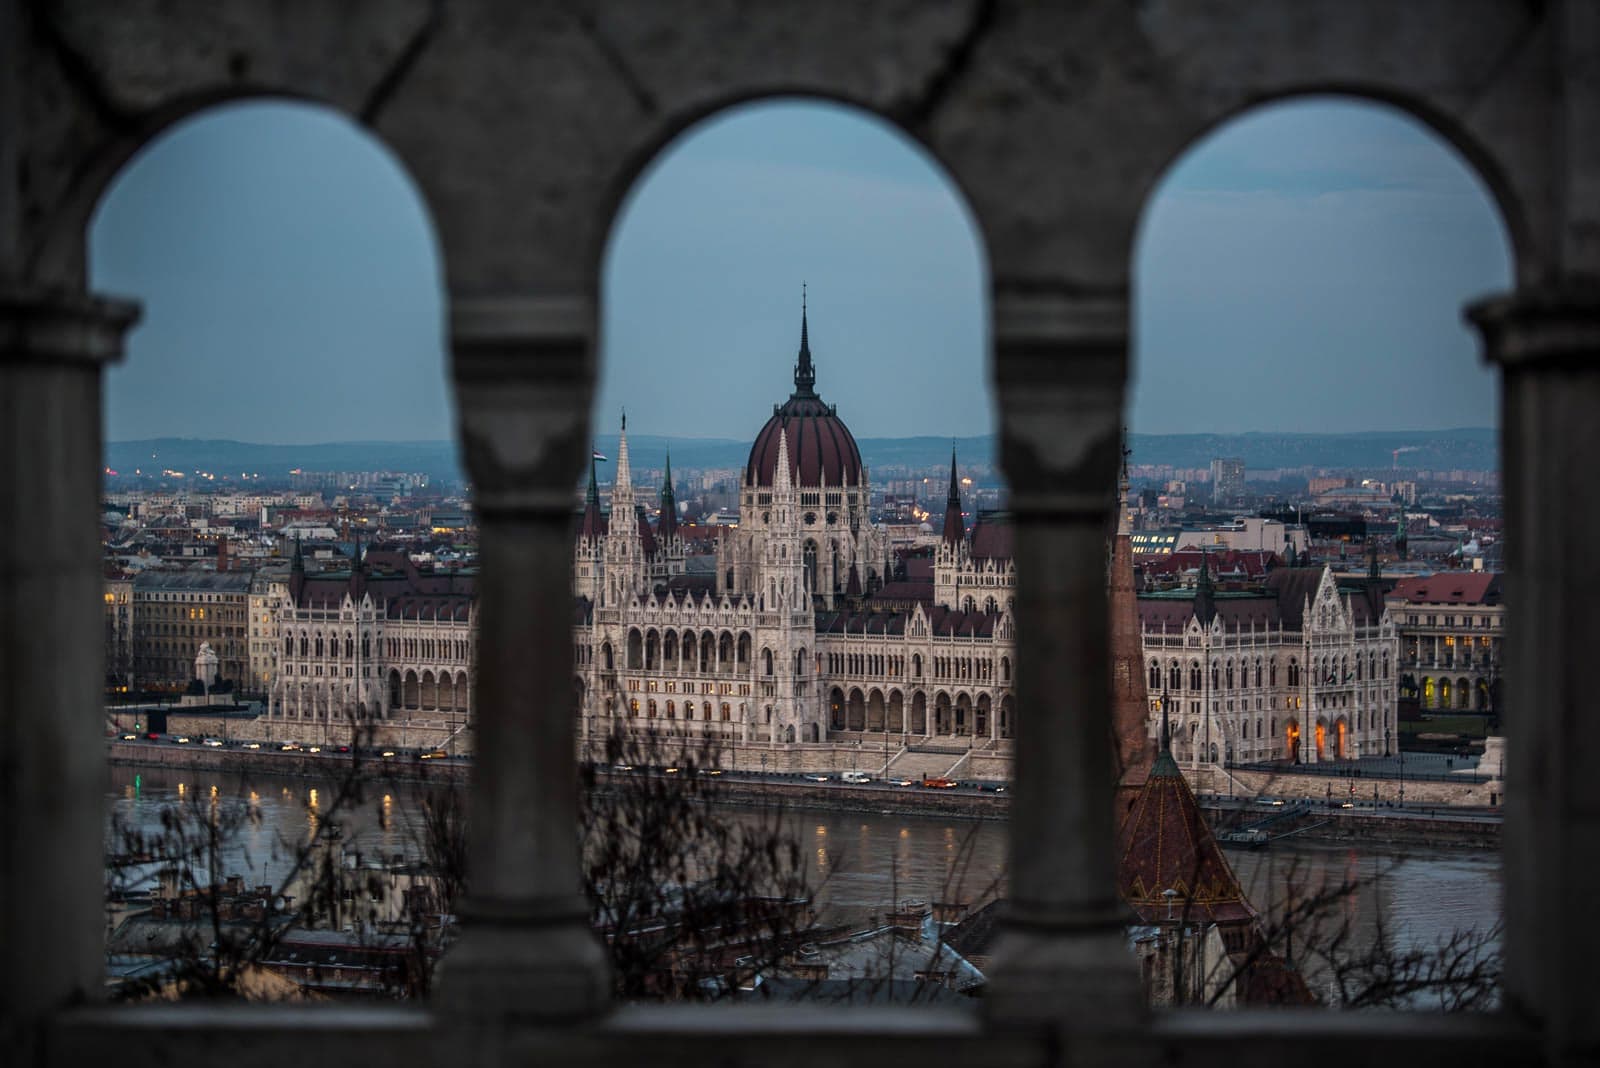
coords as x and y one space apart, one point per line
821 447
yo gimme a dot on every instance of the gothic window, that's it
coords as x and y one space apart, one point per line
916 665
1175 676
288 645
1214 675
349 647
366 645
1155 675
319 645
766 661
1230 674
1272 676
1294 672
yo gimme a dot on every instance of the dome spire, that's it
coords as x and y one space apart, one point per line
805 375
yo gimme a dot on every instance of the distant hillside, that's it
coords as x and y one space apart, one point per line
1470 449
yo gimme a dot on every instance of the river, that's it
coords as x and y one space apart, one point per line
858 864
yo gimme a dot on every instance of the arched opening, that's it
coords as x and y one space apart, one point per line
919 713
856 712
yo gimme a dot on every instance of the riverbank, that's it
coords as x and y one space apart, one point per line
1389 826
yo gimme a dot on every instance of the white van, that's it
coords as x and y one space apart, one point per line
854 776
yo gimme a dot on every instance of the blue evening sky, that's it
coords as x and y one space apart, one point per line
1302 268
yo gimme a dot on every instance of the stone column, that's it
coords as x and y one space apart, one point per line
52 766
523 374
1547 344
1060 366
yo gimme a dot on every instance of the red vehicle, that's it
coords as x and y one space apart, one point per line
939 782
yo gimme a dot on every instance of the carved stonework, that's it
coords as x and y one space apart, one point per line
48 326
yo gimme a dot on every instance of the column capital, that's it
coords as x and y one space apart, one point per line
1061 364
1546 326
40 325
524 374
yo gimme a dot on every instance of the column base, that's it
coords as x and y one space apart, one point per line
503 969
1082 981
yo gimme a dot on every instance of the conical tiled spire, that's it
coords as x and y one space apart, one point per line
953 527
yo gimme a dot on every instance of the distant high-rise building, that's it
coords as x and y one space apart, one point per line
1227 481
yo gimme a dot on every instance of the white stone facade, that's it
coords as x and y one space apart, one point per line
1268 680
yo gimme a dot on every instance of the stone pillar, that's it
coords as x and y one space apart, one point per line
1547 344
1060 366
52 640
523 374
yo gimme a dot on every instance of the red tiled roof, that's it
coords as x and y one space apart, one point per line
1165 844
1451 587
991 538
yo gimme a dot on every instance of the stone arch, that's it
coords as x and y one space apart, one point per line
743 651
836 709
708 651
963 714
919 713
943 720
982 723
1007 724
608 660
669 650
876 709
800 661
690 656
1341 738
396 695
1291 740
429 697
725 661
413 690
635 649
463 692
766 661
1463 693
855 717
897 712
652 650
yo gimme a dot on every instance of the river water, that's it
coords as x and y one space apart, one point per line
858 864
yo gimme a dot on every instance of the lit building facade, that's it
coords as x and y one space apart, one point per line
1297 670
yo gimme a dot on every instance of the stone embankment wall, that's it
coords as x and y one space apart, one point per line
293 765
418 734
1287 784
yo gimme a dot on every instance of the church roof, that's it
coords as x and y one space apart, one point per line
1165 844
992 536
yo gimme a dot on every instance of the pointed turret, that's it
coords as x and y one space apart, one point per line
782 481
1205 604
622 515
594 521
953 527
668 525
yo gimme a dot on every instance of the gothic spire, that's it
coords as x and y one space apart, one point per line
952 504
1205 605
805 375
668 524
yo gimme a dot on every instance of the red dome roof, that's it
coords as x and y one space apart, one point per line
821 447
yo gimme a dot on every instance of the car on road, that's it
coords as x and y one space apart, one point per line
1272 801
387 754
622 767
130 737
434 754
313 748
818 777
939 782
899 782
182 739
249 745
856 777
214 743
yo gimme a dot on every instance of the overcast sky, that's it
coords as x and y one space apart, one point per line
1301 269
